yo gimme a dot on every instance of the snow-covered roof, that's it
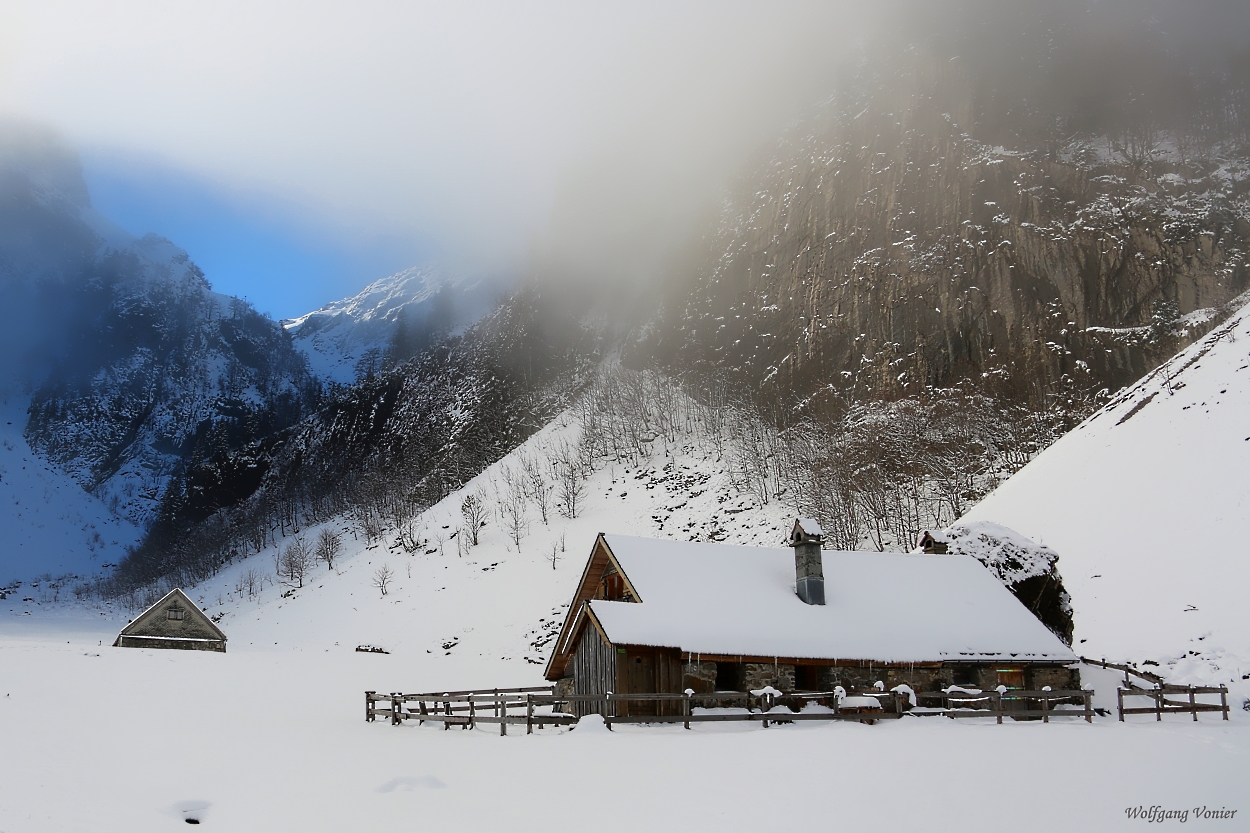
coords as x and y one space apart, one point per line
811 527
888 607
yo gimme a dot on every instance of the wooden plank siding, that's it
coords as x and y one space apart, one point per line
591 585
643 669
594 670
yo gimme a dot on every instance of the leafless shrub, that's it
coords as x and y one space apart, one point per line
382 577
474 511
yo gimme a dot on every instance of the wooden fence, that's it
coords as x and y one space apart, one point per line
1163 705
540 707
1158 691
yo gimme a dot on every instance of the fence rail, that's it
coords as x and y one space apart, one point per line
1128 669
1012 703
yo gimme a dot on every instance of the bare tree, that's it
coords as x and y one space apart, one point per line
295 562
513 500
570 490
328 545
474 510
537 484
382 577
554 556
251 583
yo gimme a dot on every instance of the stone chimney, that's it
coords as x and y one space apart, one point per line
807 538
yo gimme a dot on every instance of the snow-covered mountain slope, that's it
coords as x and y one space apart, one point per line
1147 504
346 339
51 526
497 600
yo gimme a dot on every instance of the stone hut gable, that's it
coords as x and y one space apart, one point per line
175 617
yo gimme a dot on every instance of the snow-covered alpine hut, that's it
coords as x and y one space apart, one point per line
173 622
663 616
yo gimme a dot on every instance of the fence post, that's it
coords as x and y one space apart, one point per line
1159 704
998 706
607 710
1193 704
1119 702
501 706
369 706
472 713
1224 700
1089 710
421 707
1045 708
529 714
685 709
447 711
396 713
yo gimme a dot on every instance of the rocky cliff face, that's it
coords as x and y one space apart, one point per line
886 245
133 366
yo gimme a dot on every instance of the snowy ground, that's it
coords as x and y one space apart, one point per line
271 735
271 738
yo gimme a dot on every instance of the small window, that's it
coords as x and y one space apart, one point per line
807 677
174 613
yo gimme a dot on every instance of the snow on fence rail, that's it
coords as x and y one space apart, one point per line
543 706
1159 691
1013 703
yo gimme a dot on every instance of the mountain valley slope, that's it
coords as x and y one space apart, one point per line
1146 503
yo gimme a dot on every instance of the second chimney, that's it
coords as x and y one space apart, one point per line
807 538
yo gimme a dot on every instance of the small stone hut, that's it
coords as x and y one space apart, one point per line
663 616
173 622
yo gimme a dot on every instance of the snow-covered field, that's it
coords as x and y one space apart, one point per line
271 735
271 738
1147 504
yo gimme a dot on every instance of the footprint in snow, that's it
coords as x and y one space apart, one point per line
191 812
409 783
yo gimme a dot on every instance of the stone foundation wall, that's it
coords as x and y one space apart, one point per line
701 676
1059 678
760 674
174 644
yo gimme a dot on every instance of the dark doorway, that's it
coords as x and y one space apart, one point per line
730 676
807 677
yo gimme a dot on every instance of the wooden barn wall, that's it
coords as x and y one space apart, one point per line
643 669
594 669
